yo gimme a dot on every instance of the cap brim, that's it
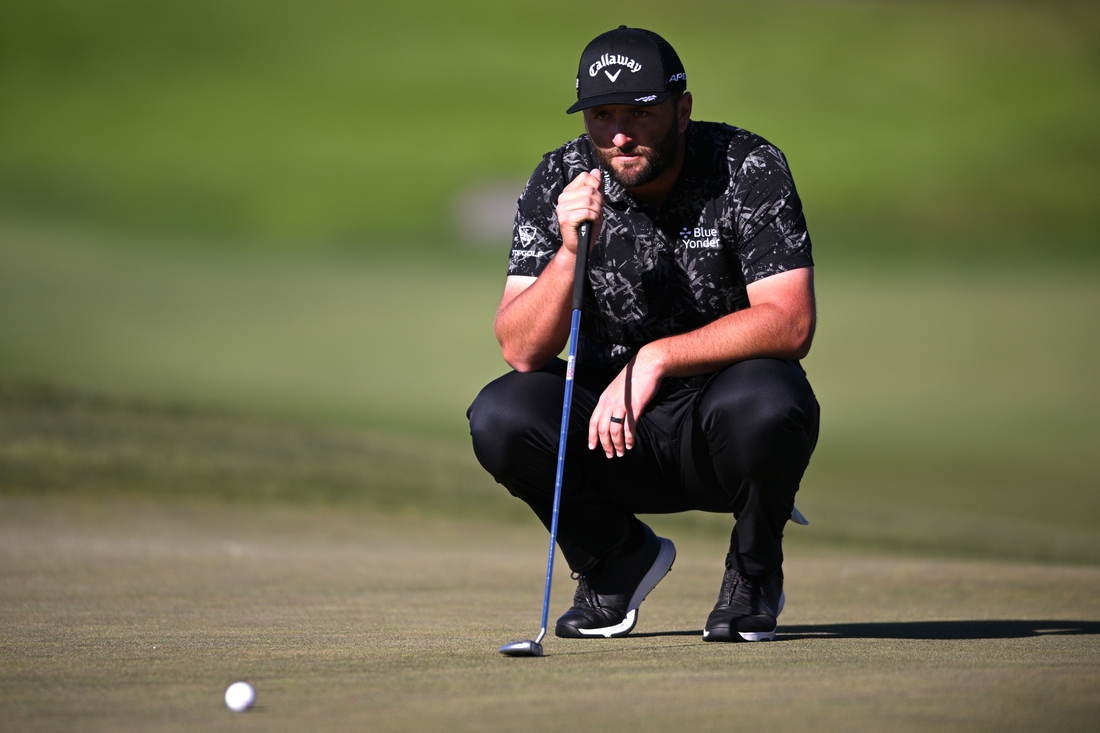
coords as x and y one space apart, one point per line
636 99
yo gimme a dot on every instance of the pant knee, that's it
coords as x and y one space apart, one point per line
757 405
766 390
507 421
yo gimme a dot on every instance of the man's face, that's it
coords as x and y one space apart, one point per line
635 144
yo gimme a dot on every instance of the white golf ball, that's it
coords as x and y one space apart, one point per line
240 696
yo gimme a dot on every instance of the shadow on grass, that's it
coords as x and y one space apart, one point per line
945 630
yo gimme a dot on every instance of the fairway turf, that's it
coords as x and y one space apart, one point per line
959 408
131 615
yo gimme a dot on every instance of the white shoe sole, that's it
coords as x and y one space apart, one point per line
757 635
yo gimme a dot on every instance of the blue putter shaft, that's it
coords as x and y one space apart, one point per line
584 241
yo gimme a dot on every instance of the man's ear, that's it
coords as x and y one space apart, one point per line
684 110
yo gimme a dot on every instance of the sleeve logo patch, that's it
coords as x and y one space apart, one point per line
527 235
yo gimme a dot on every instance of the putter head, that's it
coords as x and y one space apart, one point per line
527 648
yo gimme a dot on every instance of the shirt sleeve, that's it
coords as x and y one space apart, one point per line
535 233
771 228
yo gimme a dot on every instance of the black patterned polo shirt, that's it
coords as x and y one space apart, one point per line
732 218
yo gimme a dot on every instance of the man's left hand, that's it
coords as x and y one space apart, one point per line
624 399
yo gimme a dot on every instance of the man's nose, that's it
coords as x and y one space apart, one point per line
622 140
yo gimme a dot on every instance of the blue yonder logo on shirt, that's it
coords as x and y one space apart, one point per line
700 238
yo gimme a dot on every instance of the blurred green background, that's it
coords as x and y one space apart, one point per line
962 128
256 209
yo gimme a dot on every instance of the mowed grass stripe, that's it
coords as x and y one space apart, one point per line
56 442
397 341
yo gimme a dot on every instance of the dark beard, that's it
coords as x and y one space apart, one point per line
657 162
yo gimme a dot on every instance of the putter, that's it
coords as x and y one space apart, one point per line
533 647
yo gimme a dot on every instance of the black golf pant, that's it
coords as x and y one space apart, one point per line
739 443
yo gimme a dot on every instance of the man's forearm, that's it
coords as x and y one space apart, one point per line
758 332
780 325
532 323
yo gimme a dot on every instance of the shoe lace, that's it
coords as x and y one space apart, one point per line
585 592
745 592
740 590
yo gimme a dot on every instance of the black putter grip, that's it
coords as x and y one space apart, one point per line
584 241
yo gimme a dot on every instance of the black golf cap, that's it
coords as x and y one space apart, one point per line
628 66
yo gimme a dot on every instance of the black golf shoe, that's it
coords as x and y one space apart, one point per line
606 604
747 607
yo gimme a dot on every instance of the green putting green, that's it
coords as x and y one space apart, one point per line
128 614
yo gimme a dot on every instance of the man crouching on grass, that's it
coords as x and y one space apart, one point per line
699 302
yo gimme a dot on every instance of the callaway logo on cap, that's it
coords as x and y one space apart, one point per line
628 66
